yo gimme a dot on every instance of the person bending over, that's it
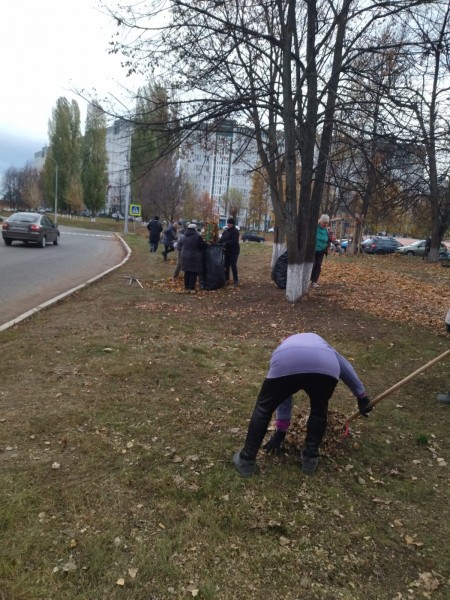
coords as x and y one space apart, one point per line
303 361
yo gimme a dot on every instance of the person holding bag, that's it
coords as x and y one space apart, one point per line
169 237
191 246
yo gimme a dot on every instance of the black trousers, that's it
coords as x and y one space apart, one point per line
167 248
230 261
190 279
319 388
154 245
317 266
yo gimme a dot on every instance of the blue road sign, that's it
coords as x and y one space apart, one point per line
135 210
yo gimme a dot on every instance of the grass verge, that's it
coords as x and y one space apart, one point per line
121 408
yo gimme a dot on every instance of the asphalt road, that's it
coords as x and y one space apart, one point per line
30 275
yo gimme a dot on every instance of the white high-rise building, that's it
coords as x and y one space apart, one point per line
214 160
118 145
39 159
217 159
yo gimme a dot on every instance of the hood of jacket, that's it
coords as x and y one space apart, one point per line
190 232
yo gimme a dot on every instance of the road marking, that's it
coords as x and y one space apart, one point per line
108 235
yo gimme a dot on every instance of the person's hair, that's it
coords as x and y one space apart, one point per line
230 221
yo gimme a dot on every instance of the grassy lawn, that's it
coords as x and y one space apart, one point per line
121 407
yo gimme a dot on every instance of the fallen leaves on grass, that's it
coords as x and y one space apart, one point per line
384 291
429 581
332 441
411 541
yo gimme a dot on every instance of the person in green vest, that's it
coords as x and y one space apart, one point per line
324 238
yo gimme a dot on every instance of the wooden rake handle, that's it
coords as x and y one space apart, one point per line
401 383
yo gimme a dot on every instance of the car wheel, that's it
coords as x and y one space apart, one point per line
56 240
261 241
410 253
43 242
379 252
8 242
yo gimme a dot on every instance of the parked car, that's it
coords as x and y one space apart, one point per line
117 216
380 245
252 236
30 227
418 249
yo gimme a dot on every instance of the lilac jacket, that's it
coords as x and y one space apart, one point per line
309 353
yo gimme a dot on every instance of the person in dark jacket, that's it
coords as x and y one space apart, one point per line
169 238
427 248
231 249
304 361
154 227
191 246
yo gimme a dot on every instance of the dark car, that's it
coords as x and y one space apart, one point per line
252 236
30 227
380 245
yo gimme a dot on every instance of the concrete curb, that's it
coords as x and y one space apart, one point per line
56 299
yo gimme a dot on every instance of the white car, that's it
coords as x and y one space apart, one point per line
418 249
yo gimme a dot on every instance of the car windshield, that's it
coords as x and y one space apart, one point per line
24 217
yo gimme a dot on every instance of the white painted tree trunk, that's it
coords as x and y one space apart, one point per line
298 277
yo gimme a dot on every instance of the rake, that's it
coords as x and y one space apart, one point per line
396 386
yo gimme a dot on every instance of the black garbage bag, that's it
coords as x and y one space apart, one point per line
279 272
213 276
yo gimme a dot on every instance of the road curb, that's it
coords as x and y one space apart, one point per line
60 297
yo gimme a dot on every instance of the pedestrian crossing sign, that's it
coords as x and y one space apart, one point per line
135 210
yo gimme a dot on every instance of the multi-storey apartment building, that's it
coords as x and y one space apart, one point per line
218 159
118 145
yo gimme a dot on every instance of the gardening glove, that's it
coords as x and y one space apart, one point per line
363 405
274 445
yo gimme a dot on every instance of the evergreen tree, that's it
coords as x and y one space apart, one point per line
95 159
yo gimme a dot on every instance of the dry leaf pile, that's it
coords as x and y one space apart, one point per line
332 442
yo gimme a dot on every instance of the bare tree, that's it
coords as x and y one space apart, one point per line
273 64
10 187
30 187
420 108
161 192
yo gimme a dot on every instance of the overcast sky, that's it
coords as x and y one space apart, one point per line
48 49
